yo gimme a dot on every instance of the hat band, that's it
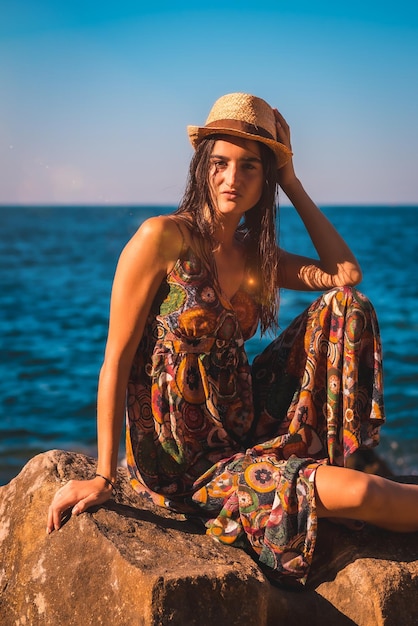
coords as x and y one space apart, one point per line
242 126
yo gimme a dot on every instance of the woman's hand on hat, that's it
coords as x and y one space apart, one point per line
74 498
287 174
282 128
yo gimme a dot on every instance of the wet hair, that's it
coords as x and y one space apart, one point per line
258 229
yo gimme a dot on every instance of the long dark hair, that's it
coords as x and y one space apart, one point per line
258 229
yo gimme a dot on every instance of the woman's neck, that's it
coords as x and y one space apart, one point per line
225 234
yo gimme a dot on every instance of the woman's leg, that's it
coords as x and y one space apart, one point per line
346 493
320 381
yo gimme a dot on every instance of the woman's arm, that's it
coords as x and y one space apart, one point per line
144 262
336 265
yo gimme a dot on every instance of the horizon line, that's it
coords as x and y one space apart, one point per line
174 206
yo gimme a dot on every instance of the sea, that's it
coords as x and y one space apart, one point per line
56 271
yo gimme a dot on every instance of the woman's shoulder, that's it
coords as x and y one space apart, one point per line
167 229
159 238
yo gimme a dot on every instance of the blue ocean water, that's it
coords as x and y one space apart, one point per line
56 271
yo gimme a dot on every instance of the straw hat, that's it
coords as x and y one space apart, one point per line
242 115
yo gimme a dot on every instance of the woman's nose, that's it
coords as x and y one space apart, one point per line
231 175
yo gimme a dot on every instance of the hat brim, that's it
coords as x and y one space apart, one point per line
282 152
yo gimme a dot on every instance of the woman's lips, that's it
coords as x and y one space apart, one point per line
231 194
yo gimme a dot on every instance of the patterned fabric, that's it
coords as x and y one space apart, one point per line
205 432
318 387
269 505
189 395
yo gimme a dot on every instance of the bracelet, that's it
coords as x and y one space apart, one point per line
109 482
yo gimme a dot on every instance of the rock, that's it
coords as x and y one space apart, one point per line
127 562
131 563
370 577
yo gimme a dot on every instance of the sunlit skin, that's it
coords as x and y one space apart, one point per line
235 179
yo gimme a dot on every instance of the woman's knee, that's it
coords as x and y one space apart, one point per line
348 296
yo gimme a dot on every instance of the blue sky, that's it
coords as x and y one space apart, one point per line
95 96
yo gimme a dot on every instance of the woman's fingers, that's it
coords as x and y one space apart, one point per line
283 130
76 496
280 119
59 505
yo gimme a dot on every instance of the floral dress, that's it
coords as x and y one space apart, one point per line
240 444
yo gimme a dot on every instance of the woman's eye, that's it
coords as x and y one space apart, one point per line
219 164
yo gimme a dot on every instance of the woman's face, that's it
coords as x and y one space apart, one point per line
235 175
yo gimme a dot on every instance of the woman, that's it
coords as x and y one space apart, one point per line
258 451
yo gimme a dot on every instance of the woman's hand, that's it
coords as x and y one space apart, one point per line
287 174
77 495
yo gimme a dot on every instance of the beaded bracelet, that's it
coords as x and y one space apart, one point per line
109 482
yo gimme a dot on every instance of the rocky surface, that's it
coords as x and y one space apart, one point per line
131 563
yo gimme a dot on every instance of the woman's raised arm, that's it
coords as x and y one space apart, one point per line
336 265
